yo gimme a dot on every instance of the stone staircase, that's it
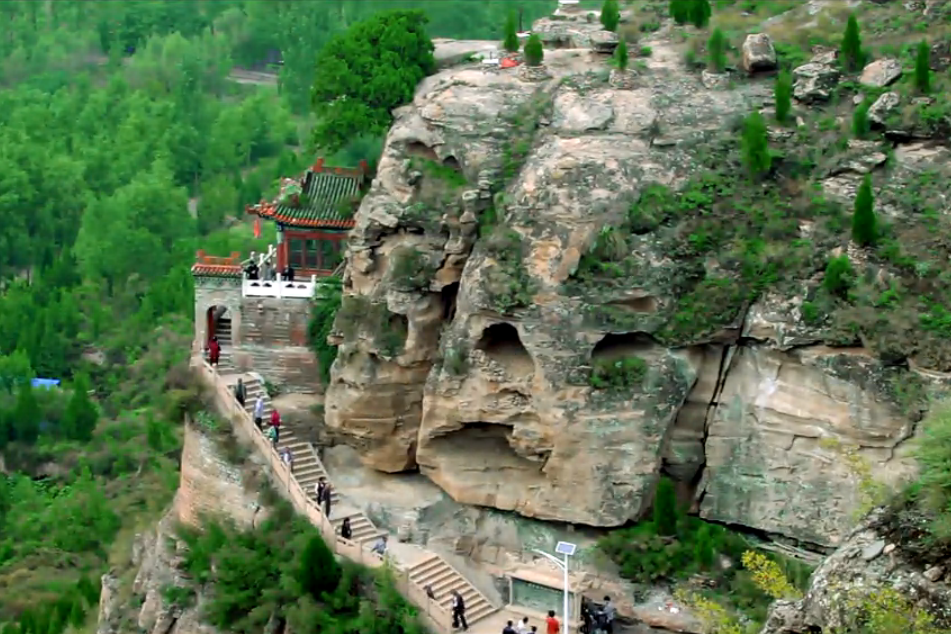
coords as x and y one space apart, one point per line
428 570
225 361
308 469
436 573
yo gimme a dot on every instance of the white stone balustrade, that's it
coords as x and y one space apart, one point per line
283 289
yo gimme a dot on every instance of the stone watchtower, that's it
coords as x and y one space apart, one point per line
260 314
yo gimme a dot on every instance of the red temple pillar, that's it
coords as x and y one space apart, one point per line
282 255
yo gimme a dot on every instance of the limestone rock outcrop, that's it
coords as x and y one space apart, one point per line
145 601
868 560
759 54
465 354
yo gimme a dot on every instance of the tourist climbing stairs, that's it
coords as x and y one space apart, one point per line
253 389
436 573
308 470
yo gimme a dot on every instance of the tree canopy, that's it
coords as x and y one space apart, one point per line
366 72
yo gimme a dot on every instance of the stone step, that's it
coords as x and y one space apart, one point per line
443 579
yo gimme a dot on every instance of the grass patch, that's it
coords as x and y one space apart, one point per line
625 373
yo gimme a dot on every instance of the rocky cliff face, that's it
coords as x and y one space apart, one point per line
142 596
871 559
468 335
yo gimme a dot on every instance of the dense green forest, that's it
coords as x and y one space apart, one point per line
124 147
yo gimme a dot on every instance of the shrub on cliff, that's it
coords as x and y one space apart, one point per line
610 15
864 222
851 47
716 51
783 96
510 43
923 68
367 71
755 143
323 312
700 13
621 59
534 51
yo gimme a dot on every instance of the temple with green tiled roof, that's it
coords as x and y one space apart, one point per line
314 214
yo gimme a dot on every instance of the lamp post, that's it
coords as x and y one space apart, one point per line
566 550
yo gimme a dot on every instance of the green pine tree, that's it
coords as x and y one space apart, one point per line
81 414
860 124
716 51
703 547
923 68
755 144
77 615
621 58
838 276
610 15
864 222
851 47
666 513
783 96
700 13
534 51
511 43
317 571
680 11
26 415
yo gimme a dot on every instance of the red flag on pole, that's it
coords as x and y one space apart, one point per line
257 227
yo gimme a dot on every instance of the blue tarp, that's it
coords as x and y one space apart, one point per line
45 383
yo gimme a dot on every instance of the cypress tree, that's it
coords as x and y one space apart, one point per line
610 15
716 51
756 146
860 125
620 55
533 51
81 413
680 11
703 547
665 508
700 13
26 415
783 96
510 43
923 68
851 48
317 571
864 222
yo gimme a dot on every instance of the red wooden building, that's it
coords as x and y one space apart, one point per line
314 214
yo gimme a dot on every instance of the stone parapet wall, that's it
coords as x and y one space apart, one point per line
209 484
293 368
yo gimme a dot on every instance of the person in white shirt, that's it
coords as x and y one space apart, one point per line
522 627
259 412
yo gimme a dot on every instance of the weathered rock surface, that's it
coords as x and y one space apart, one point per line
488 392
881 73
814 82
866 561
137 599
759 54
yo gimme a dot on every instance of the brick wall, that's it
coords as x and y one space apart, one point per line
209 484
210 293
270 335
272 341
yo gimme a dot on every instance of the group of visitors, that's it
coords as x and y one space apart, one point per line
273 431
268 272
594 620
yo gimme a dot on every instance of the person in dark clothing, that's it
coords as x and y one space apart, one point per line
430 593
587 618
214 351
289 273
327 491
345 531
608 612
321 488
458 612
252 270
239 393
509 628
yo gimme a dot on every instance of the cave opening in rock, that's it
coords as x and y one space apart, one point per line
615 346
490 449
421 150
451 162
501 344
392 336
637 304
449 293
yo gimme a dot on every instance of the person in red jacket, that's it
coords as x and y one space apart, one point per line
214 351
276 424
